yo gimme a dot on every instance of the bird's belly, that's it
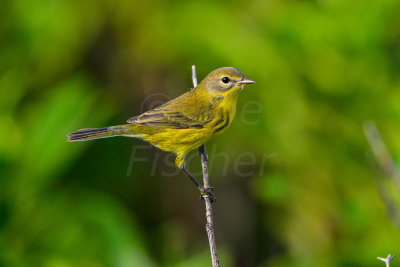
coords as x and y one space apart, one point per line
179 141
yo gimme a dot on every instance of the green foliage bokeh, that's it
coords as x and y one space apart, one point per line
293 176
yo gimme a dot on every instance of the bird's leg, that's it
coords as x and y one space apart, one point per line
204 191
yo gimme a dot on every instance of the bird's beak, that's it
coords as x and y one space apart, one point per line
246 81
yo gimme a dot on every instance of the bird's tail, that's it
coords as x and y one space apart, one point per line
96 133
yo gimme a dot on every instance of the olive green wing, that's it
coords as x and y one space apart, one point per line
186 111
165 118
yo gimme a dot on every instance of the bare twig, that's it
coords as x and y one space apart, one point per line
387 260
381 152
387 168
207 200
194 76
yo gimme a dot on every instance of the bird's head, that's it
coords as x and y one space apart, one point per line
225 81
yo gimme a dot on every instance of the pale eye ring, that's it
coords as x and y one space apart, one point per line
225 79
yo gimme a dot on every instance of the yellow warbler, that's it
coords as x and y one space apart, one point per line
186 122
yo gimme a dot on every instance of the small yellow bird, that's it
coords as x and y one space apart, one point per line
186 122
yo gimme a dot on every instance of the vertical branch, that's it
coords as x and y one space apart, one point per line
381 152
194 76
207 200
387 168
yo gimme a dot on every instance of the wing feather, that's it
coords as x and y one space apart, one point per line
183 112
163 118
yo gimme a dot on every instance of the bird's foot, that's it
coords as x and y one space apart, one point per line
207 192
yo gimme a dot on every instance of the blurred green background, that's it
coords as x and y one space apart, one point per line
293 174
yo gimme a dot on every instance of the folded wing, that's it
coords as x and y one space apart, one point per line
164 118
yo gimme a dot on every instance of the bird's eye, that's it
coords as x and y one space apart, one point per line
225 79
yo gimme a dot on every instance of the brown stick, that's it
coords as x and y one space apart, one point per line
207 200
381 152
388 169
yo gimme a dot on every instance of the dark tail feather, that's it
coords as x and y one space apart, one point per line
89 134
96 133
